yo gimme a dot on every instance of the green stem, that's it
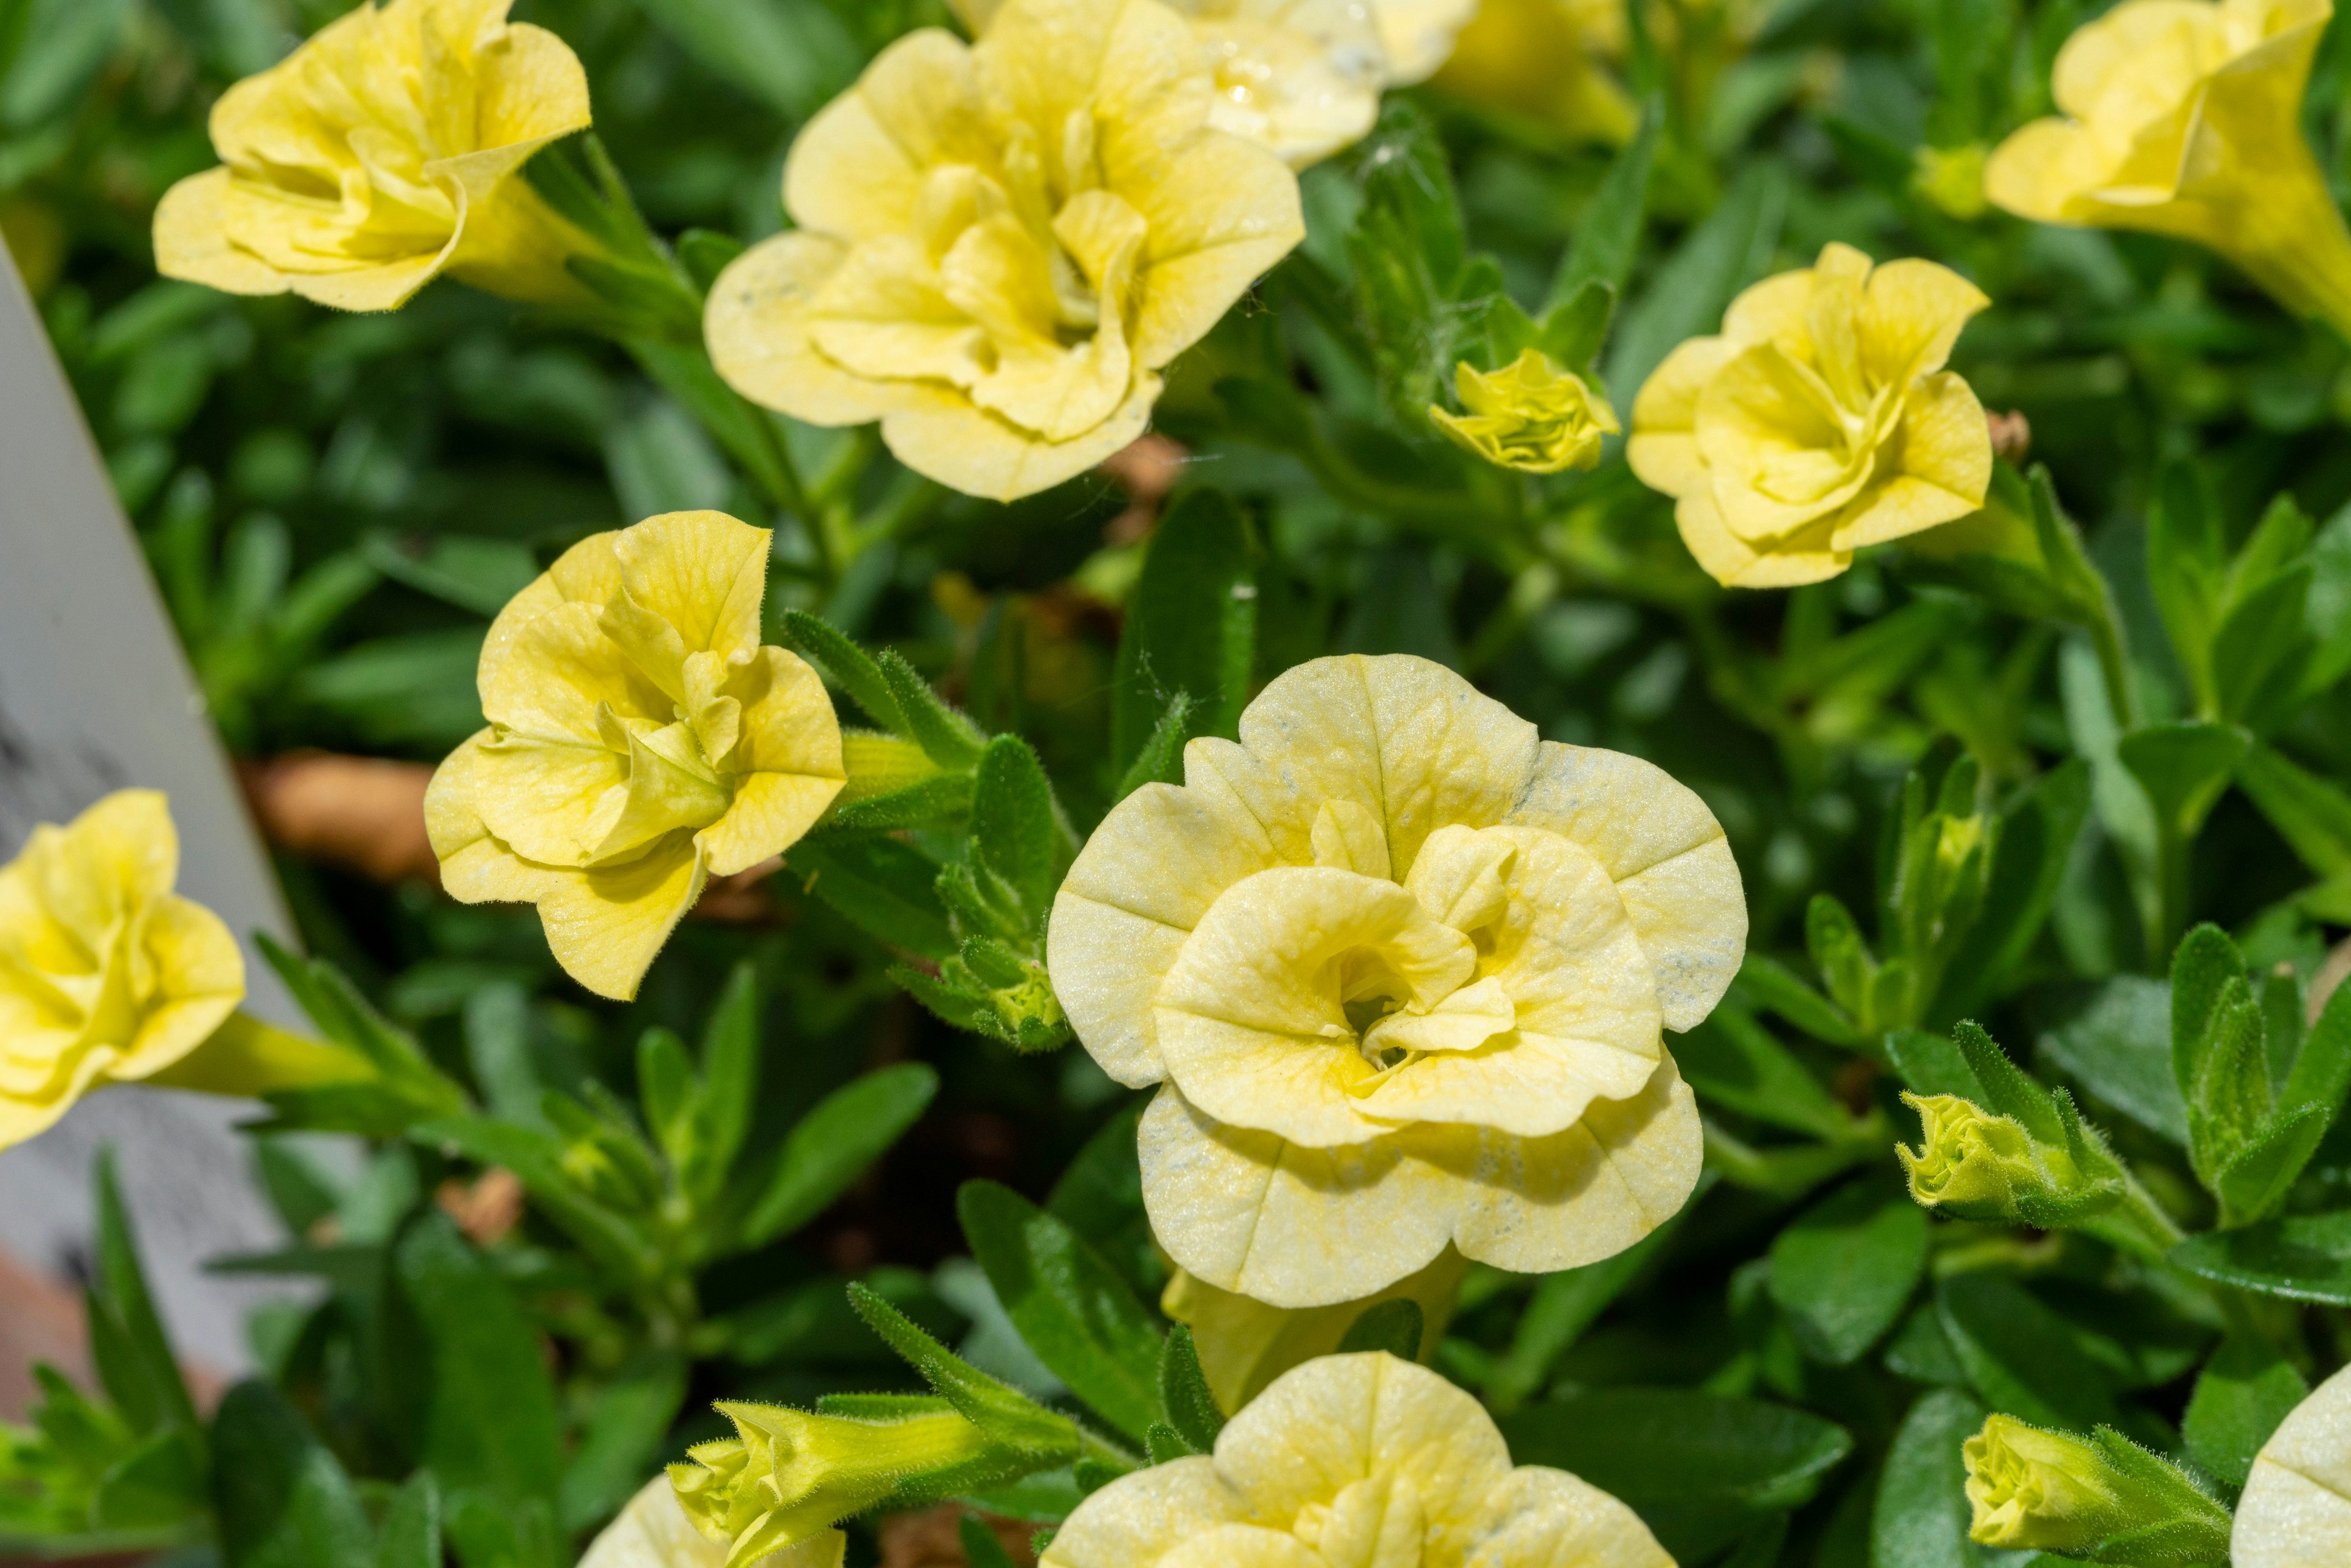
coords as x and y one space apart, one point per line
2138 1225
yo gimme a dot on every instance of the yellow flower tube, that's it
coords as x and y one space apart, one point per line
1401 967
1820 420
2184 118
640 741
1001 245
105 975
1356 1460
2296 1508
381 154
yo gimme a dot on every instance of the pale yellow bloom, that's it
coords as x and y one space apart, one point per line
1530 415
652 1532
1243 1345
380 154
1358 1460
105 975
1002 244
2184 118
1546 60
1305 76
1401 966
640 741
1822 420
2297 1509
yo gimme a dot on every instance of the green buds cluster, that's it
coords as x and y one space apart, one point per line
2100 1498
2260 1095
787 1475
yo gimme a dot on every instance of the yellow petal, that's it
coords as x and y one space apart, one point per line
1775 451
1776 311
1418 35
1663 448
1541 1517
192 241
1945 467
757 327
2296 1508
606 925
1912 314
199 982
1220 216
702 573
1667 856
771 812
969 449
1242 1546
1143 1515
1243 1344
652 1532
855 172
1142 882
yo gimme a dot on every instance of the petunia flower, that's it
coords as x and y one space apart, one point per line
2296 1508
1354 1459
2184 118
1400 966
653 1531
105 974
1001 245
1820 420
380 154
640 741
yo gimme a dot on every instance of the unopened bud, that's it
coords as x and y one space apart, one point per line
1530 415
2102 1499
1975 1166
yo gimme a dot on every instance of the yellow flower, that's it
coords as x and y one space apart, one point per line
2185 119
2297 1509
2032 1489
1820 420
105 975
652 1532
1243 1345
1353 1459
1401 966
1544 59
787 1476
1001 245
1305 76
380 154
641 740
1530 415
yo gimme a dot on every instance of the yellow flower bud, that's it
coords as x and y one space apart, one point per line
1952 178
787 1476
2036 1491
381 154
2184 118
105 975
999 246
1973 1163
1243 1345
1362 1460
1820 420
640 741
1530 415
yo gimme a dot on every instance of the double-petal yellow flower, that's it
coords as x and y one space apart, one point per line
640 741
2296 1508
1821 420
105 974
380 154
1002 244
2184 118
1401 966
1356 1460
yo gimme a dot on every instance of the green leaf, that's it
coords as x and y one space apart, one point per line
473 574
621 1436
1730 1059
1573 332
2313 814
127 1342
1774 987
2303 1259
2205 971
2117 1045
2021 1356
1184 1392
2034 846
1406 251
730 1083
832 1145
1161 760
282 1500
1722 254
1838 952
1610 234
1700 1469
2185 562
2244 1392
1931 1065
1191 626
487 1404
1394 1326
980 1547
790 54
946 736
1563 1305
537 1156
2184 767
411 1526
1007 1416
158 1485
1017 830
849 666
2008 1089
666 1089
1070 1306
1845 1270
884 886
2259 654
1922 1513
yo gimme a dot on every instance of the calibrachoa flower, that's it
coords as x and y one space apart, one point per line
1822 420
1401 966
1530 415
2184 118
380 154
1000 246
1545 59
1356 1460
652 1532
105 975
1305 76
2296 1508
640 741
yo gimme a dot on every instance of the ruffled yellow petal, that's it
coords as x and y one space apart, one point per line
2296 1508
1540 1517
